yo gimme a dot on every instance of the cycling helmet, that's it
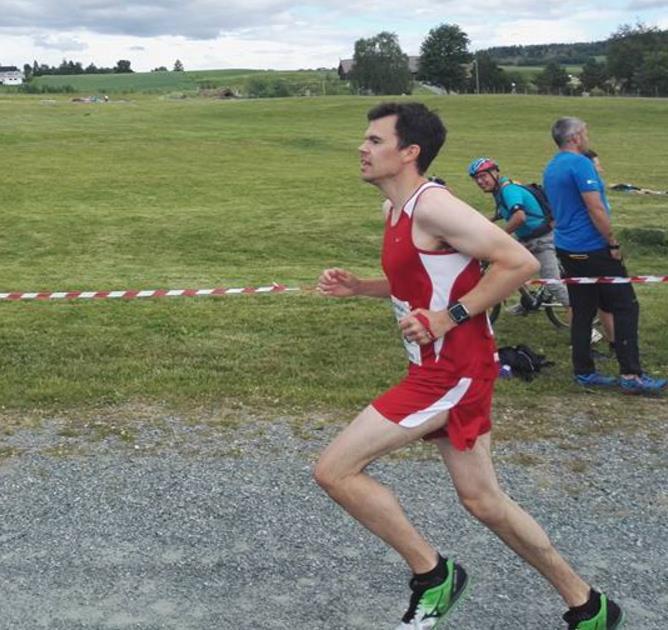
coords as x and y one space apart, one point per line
481 165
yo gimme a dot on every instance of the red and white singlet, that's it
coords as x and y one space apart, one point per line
455 372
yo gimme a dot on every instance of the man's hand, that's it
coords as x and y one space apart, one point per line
616 252
338 283
423 326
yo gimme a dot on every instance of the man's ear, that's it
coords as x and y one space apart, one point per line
411 152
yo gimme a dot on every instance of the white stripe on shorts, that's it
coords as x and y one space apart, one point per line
446 402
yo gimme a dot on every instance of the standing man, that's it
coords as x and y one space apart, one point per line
587 247
524 218
432 244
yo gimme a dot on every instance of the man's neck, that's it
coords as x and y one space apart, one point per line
401 187
570 148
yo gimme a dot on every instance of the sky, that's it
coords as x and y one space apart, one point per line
287 35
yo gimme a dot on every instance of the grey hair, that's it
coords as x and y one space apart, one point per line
565 128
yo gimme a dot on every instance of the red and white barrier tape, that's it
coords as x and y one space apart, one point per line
601 280
46 296
129 295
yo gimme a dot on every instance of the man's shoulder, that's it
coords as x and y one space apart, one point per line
440 203
567 159
511 191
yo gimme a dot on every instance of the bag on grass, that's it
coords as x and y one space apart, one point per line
523 361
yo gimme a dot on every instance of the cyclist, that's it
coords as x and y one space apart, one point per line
524 218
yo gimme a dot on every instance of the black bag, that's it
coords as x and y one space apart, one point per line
523 361
538 193
541 197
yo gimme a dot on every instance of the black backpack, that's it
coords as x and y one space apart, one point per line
523 361
541 197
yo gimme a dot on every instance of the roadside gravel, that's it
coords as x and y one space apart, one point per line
178 524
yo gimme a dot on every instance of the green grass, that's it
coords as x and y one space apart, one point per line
150 193
188 81
532 71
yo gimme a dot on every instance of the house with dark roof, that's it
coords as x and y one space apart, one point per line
346 65
10 75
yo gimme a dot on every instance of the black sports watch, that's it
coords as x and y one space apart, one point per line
459 313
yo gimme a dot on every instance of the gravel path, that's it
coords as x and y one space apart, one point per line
189 527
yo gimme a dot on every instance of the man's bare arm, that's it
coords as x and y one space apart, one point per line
448 219
517 220
601 220
598 215
338 282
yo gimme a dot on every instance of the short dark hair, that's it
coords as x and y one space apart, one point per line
416 124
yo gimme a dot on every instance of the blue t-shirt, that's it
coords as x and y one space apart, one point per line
566 177
510 198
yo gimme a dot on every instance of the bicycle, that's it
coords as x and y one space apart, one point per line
533 300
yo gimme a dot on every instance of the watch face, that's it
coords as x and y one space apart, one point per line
459 313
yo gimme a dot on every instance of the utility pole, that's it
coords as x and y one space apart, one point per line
477 77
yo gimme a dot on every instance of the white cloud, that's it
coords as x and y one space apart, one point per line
58 42
648 4
281 34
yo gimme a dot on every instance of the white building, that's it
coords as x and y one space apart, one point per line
10 75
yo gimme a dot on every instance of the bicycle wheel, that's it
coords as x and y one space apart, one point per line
557 315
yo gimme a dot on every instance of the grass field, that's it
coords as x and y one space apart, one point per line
150 193
532 71
191 81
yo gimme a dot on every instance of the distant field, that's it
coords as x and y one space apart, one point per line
532 71
176 81
145 193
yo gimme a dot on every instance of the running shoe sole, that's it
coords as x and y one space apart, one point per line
455 600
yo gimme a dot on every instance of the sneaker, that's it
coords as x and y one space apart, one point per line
429 606
595 380
642 384
609 617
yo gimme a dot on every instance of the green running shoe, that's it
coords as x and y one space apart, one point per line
430 605
609 617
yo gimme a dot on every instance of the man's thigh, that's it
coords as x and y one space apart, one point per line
368 437
472 470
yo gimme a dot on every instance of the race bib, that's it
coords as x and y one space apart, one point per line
401 309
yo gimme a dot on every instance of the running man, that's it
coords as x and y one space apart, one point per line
432 245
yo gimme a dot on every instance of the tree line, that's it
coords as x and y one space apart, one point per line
123 66
540 54
636 62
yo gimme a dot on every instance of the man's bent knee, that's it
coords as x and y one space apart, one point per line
488 507
328 476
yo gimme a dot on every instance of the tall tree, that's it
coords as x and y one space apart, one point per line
122 66
626 52
443 56
487 75
553 78
594 74
652 78
178 66
380 66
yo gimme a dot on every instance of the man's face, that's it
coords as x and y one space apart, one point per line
582 140
380 155
486 181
